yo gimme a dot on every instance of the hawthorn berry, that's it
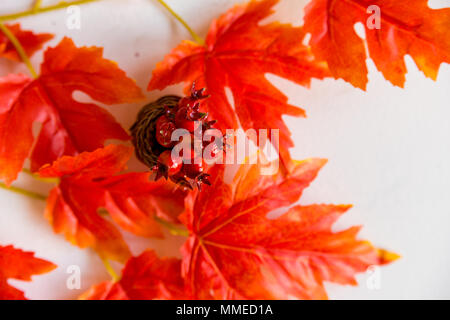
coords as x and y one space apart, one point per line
171 164
164 130
192 170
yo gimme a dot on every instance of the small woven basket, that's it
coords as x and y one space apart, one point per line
147 149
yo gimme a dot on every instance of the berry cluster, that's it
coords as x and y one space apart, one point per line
188 169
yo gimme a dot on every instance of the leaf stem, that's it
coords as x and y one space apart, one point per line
173 229
24 192
38 9
20 50
110 270
194 35
37 5
37 177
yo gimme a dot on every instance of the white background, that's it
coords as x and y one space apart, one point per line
388 151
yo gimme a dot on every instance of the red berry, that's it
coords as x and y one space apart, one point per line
194 169
189 125
190 111
164 130
185 102
162 120
182 113
173 164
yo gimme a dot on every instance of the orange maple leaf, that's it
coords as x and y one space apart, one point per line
236 252
20 265
406 27
30 42
89 182
238 54
145 277
68 126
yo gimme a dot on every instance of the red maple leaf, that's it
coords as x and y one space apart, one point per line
30 42
20 265
145 277
406 28
68 126
89 182
236 252
238 54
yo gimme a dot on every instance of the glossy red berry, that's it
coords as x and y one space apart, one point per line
192 170
173 164
164 130
189 125
185 103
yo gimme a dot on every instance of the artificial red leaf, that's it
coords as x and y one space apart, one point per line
236 252
239 51
20 265
68 126
89 182
30 42
133 201
406 27
145 277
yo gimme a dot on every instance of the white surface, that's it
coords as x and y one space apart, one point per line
388 151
